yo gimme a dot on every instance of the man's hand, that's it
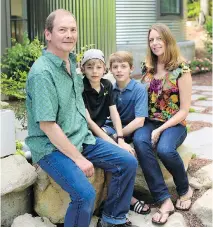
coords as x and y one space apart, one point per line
127 147
155 136
85 165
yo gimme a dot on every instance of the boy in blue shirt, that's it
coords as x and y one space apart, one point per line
98 98
131 99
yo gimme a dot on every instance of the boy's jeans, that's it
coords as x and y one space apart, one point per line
170 139
69 176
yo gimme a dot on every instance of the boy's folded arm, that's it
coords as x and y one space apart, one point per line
133 125
97 130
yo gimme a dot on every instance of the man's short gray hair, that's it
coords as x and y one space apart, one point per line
50 19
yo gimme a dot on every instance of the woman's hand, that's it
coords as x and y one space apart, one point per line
155 136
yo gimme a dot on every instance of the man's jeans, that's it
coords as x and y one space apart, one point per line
170 139
70 177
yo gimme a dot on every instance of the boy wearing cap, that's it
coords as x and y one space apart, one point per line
131 99
98 98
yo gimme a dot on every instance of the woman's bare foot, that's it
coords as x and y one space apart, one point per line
166 209
184 202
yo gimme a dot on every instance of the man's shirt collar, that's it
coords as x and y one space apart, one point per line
55 59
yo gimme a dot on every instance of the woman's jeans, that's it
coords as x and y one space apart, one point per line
169 141
70 177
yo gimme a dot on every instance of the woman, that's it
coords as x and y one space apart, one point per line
169 87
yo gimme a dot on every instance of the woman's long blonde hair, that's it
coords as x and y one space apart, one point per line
171 57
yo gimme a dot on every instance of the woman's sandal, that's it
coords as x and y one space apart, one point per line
138 208
161 215
183 199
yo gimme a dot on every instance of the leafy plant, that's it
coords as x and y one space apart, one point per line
82 50
193 9
200 65
208 26
4 105
19 147
208 41
15 65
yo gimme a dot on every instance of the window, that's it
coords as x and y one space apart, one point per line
170 9
18 19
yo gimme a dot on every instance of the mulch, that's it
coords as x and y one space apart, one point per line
197 125
203 79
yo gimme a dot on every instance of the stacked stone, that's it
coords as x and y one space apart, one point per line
17 177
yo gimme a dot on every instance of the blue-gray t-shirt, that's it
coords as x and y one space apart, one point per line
131 102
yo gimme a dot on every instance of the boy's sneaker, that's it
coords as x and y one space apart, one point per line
126 224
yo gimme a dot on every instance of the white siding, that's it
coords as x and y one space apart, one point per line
133 19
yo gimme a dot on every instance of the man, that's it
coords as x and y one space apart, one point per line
59 138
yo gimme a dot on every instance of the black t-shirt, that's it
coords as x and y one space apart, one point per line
96 103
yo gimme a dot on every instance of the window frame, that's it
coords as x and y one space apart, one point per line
169 16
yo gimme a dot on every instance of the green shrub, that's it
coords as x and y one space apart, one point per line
193 9
208 47
200 65
15 65
208 26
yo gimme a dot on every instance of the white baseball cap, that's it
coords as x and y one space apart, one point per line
92 54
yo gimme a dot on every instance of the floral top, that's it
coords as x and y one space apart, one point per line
164 93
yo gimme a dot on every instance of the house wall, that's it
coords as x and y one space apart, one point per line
95 19
133 19
5 25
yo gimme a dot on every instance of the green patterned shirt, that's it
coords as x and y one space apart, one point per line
55 95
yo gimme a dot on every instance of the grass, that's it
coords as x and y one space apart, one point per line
202 98
194 156
192 110
188 128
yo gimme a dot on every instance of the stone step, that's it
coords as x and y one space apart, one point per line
201 142
202 88
200 117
